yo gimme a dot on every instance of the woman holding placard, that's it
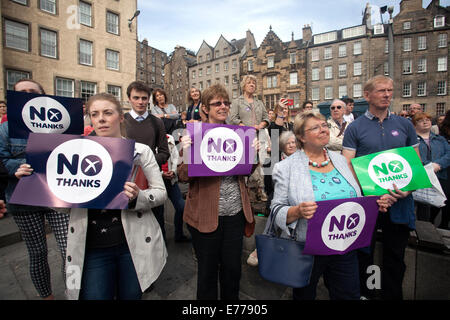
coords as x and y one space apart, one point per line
31 219
216 211
435 149
115 253
309 175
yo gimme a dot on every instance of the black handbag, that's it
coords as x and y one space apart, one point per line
281 260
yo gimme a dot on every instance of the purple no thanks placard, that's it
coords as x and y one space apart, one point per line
340 226
30 112
72 171
220 149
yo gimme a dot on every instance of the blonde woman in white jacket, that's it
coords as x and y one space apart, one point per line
115 254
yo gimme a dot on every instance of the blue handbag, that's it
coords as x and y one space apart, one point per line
281 260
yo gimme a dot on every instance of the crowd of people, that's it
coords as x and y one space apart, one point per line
122 252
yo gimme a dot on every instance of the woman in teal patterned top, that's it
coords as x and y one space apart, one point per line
316 174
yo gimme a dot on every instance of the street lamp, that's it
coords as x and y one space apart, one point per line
130 21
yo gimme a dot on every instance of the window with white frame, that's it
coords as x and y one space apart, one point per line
217 67
342 91
422 65
208 56
292 58
87 89
193 74
407 66
270 61
406 45
328 53
115 91
357 68
271 81
16 35
328 92
406 90
440 108
406 25
315 74
12 76
442 88
48 43
208 70
421 88
329 72
386 46
112 59
342 50
235 78
234 64
24 2
293 78
315 54
112 22
85 52
200 72
64 87
342 70
405 107
315 94
85 13
225 66
421 42
424 107
442 64
48 6
357 90
250 65
442 40
227 80
357 48
439 21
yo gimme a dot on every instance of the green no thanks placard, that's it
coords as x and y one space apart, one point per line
378 172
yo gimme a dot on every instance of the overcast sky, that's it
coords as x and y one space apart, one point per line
169 23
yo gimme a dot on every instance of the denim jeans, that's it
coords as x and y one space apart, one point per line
108 274
340 274
175 196
219 257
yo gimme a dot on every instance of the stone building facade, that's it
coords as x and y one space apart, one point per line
150 65
220 64
74 48
176 82
421 47
338 64
279 68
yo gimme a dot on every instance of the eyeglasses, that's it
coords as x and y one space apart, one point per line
317 128
334 107
219 103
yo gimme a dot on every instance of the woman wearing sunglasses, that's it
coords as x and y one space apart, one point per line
216 211
337 125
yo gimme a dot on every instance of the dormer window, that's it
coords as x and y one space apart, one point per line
439 21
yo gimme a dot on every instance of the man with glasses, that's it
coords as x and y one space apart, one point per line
337 125
413 109
377 130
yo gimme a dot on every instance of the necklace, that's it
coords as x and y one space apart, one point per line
322 164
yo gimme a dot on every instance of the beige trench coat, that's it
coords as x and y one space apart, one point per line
142 231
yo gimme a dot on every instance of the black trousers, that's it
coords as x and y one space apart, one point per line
394 242
219 257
